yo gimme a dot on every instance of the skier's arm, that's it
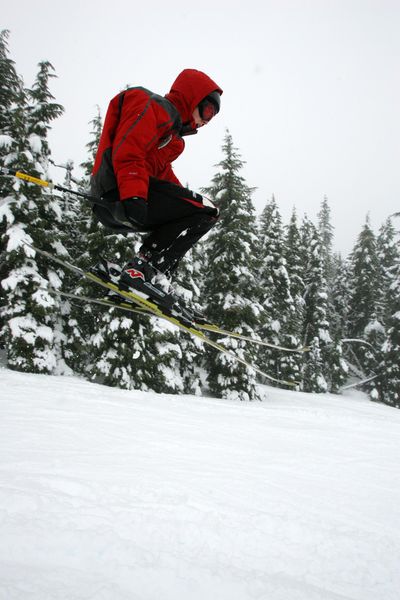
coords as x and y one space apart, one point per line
136 132
162 159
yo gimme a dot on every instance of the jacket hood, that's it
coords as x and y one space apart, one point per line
188 89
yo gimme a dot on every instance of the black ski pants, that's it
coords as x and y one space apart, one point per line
174 217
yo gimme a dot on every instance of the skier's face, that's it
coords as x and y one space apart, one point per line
197 118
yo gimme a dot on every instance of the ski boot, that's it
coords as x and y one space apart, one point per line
143 276
140 277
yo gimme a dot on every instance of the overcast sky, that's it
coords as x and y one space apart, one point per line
311 89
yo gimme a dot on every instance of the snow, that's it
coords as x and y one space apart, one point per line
6 141
5 209
114 495
374 327
35 143
17 236
324 336
26 328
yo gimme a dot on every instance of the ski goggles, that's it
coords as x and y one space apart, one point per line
209 106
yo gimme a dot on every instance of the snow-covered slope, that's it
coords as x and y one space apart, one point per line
113 495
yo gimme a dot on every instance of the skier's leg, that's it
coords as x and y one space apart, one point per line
180 218
177 219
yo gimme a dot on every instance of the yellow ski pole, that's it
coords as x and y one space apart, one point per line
47 184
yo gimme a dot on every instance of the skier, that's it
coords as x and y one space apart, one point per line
133 176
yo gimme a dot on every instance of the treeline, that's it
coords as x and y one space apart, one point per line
257 276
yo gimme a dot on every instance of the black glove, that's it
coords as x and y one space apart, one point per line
136 210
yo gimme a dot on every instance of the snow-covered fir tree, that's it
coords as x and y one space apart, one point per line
71 245
129 351
10 90
41 112
364 295
189 284
389 371
315 326
276 297
92 236
363 320
231 285
314 380
84 240
294 262
340 297
306 231
388 254
31 314
338 366
96 127
291 364
338 352
315 323
326 230
374 335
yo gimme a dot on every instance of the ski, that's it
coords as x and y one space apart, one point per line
357 383
215 329
123 305
129 307
145 303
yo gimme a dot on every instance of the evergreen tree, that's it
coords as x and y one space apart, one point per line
291 364
93 237
315 319
192 362
231 282
294 261
85 241
306 232
364 303
388 254
92 145
314 378
375 335
130 351
326 229
31 315
10 90
389 380
316 325
276 297
340 297
337 354
338 366
73 246
41 112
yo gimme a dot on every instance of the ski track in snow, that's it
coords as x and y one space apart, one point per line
114 495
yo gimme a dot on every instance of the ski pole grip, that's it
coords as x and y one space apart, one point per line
26 177
31 179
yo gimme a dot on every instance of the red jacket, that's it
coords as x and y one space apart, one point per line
142 135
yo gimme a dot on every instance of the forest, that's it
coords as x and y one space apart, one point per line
252 274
